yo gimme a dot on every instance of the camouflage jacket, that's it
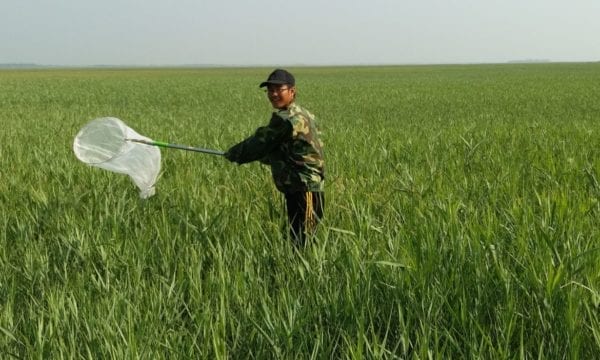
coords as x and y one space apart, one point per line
290 144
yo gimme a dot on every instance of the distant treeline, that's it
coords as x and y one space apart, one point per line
19 65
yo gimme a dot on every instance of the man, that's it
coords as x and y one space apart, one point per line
290 144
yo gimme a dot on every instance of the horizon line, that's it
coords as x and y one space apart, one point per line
31 65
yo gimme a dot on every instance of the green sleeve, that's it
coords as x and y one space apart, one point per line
263 142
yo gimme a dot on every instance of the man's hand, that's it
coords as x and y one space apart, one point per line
233 153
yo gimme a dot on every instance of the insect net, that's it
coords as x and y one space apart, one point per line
103 143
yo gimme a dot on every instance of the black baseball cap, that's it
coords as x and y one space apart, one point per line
279 77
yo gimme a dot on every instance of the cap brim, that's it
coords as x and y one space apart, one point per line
272 82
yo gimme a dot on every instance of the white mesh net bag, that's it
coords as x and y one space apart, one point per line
103 143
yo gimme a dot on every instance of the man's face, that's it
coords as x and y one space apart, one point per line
281 96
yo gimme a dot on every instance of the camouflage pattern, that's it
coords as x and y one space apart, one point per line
290 144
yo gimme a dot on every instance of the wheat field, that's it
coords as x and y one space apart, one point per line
461 219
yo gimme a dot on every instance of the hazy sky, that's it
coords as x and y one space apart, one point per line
310 32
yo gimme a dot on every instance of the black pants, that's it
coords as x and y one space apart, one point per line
305 211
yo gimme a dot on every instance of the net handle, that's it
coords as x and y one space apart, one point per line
177 146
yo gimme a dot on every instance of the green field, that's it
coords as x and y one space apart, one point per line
462 218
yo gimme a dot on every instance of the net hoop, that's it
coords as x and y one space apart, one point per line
111 130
